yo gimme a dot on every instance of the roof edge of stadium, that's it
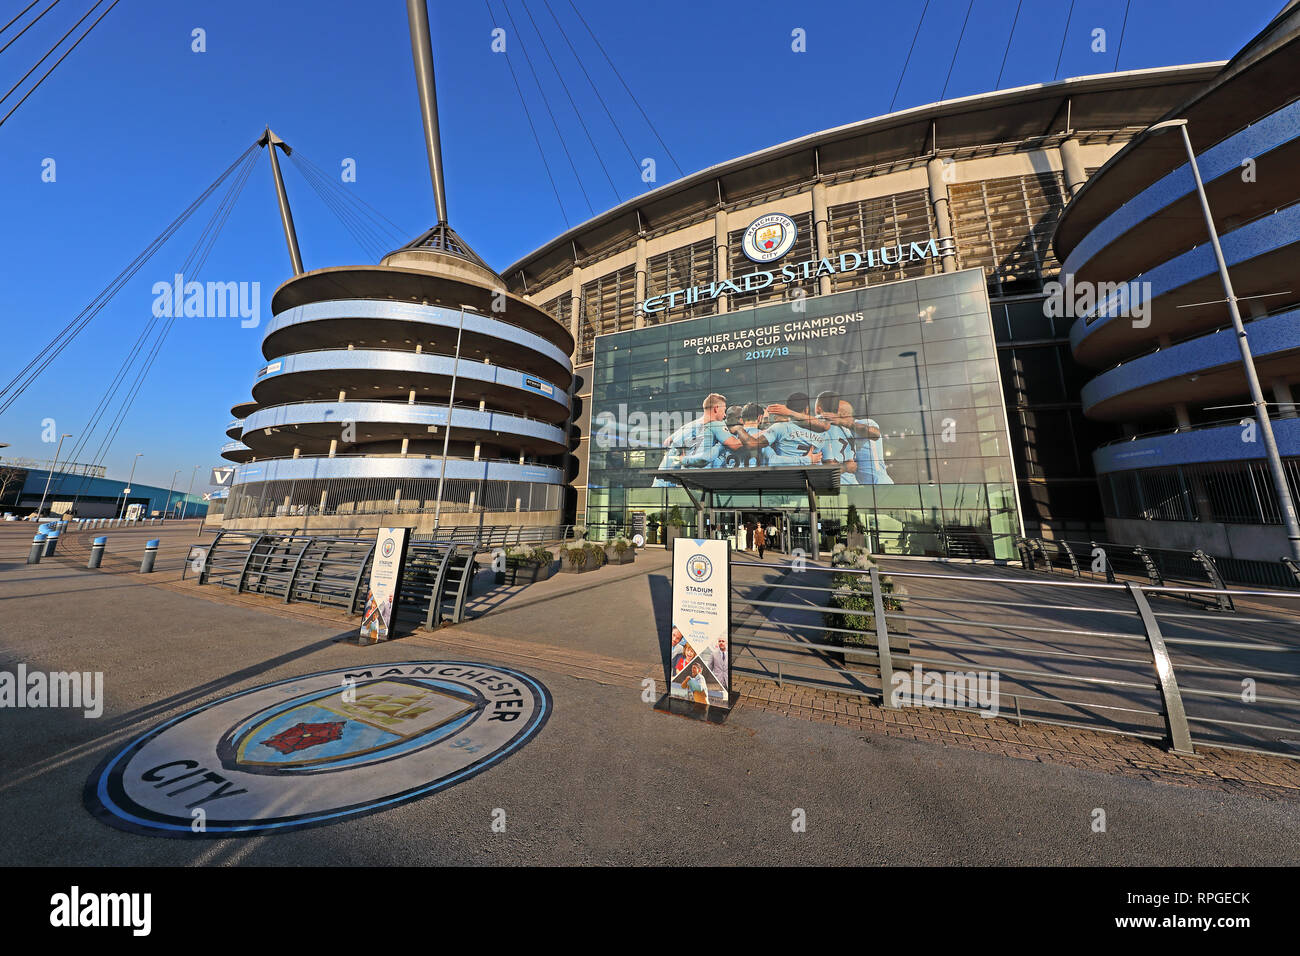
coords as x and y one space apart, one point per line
1095 81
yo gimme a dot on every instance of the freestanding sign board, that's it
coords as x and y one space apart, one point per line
699 659
385 576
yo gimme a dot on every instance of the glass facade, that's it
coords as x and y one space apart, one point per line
897 383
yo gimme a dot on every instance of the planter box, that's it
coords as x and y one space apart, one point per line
525 573
674 532
567 568
862 657
857 539
612 556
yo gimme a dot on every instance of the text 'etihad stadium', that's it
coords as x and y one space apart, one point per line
801 271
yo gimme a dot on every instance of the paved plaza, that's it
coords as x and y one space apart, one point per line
606 778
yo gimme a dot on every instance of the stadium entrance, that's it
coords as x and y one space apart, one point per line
885 399
785 529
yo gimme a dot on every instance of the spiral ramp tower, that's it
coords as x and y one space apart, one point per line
418 387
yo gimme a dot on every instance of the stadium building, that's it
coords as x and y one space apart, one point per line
865 318
930 228
1190 470
418 387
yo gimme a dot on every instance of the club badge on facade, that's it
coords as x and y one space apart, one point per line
769 237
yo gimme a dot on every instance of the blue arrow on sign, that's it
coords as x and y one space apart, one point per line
698 623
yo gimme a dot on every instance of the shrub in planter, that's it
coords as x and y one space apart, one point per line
573 558
527 567
857 630
620 550
853 526
579 556
676 524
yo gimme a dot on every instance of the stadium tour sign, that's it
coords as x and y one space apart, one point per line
770 237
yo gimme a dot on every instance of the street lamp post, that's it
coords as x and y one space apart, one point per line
169 493
446 436
55 464
122 514
1280 487
185 502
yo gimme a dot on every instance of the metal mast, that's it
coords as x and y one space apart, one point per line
286 216
417 13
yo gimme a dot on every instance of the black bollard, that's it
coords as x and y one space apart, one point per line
38 548
97 551
51 542
150 552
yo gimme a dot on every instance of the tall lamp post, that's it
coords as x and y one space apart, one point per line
127 489
1285 503
55 464
446 436
169 493
185 502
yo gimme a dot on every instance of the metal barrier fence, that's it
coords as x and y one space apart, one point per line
335 570
1114 657
1103 560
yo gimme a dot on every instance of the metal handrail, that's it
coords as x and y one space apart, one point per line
402 403
466 362
952 635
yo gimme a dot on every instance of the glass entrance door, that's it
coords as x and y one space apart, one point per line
723 525
800 533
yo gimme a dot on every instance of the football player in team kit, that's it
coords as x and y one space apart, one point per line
744 423
790 441
751 436
699 443
854 442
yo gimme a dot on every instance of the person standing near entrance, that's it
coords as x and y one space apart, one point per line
760 540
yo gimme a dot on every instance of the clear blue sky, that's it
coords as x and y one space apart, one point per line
138 125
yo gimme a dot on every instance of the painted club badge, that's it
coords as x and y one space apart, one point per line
769 237
317 749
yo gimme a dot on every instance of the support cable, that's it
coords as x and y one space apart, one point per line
532 126
37 85
629 90
547 103
365 236
909 55
594 88
1014 21
1122 28
960 36
376 215
193 264
23 380
576 112
1068 17
32 24
21 15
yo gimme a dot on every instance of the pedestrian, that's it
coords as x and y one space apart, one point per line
760 540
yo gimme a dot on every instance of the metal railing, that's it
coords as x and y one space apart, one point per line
437 578
1112 657
1104 560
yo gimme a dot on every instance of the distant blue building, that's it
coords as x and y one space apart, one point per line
85 490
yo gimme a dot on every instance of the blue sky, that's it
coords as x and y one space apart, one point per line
138 125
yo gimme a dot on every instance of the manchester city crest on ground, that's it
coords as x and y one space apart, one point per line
317 749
